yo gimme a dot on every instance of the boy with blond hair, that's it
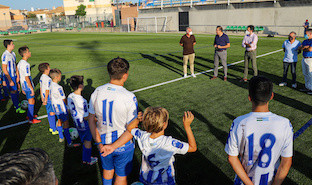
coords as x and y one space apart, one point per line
157 149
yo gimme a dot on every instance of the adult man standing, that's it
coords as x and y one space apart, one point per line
306 26
187 42
290 47
250 43
307 62
221 43
114 107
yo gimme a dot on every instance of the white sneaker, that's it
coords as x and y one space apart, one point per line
185 75
193 75
282 84
294 85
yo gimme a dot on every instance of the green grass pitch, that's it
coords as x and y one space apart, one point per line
157 58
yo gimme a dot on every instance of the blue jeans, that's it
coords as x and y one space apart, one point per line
292 70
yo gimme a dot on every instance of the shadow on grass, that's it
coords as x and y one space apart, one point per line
193 168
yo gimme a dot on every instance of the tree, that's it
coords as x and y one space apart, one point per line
81 10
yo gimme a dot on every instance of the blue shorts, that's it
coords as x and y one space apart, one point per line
49 107
63 117
85 135
11 88
120 161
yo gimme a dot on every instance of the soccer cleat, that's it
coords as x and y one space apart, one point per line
213 78
20 111
304 90
193 75
73 145
282 84
34 121
294 85
225 78
243 80
93 161
61 140
55 132
185 75
35 116
3 99
50 130
309 92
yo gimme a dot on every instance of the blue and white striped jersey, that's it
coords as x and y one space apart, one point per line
260 139
158 157
115 107
78 107
24 70
45 84
57 98
9 59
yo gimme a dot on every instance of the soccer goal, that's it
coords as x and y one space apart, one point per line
147 24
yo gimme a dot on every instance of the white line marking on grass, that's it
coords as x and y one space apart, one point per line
153 86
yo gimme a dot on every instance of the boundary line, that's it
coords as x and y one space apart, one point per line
152 86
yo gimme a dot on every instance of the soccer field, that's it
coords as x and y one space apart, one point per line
156 59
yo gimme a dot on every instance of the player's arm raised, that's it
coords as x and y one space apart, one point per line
283 170
187 120
239 170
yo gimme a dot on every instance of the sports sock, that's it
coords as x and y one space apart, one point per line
60 130
14 97
67 135
30 112
51 120
107 181
86 154
1 97
6 91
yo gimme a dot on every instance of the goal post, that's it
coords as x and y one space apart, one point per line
147 24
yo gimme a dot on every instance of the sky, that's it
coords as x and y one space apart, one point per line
27 4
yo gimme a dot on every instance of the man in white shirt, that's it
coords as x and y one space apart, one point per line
114 107
259 140
290 47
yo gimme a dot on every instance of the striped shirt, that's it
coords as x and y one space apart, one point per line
9 59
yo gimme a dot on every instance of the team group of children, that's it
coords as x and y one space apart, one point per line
52 96
261 139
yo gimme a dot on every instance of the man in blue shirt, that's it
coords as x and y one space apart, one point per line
221 43
290 47
307 62
306 26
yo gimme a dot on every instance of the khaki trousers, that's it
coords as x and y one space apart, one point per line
250 57
186 58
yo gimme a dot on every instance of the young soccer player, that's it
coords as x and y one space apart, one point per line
78 107
1 85
58 100
258 140
45 88
157 149
27 83
11 74
114 107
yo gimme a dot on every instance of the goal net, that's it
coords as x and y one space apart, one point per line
146 24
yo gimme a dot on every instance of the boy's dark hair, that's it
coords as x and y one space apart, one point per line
54 73
260 90
7 42
75 81
117 67
22 50
220 28
252 27
43 66
31 166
